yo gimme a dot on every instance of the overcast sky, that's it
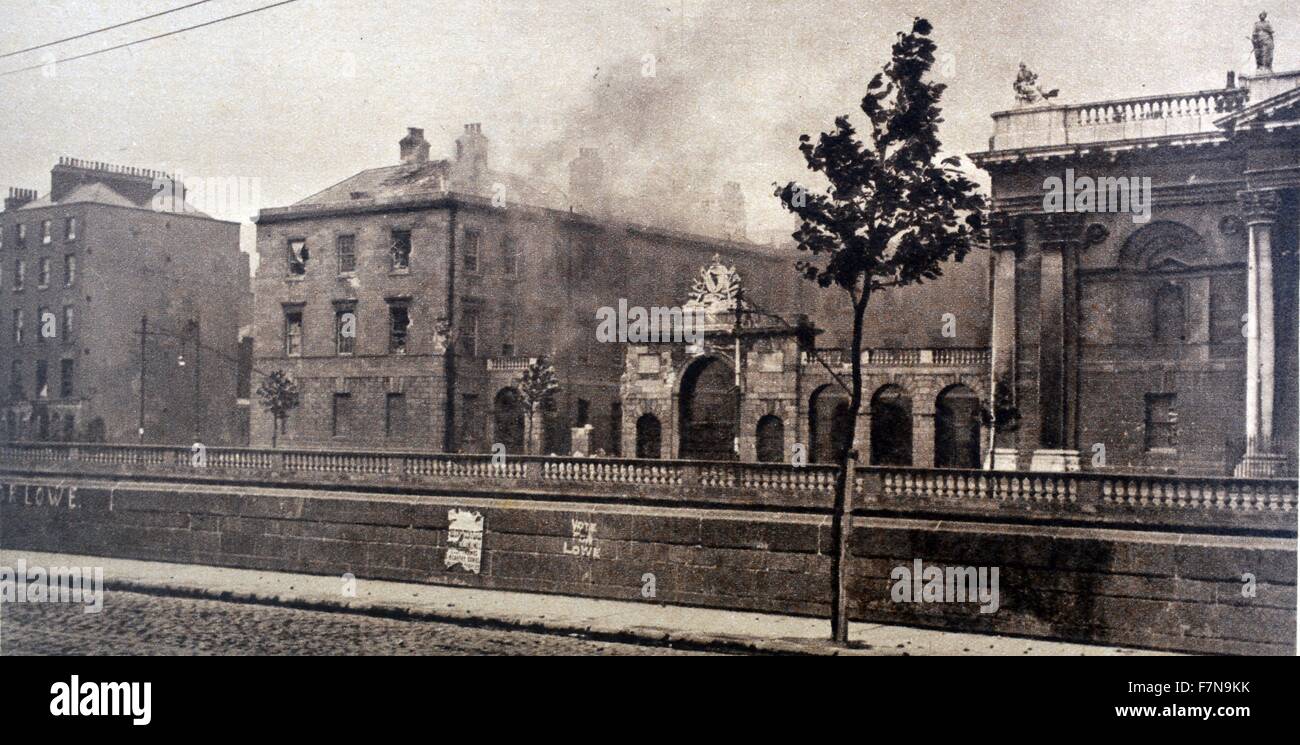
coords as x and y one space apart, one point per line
304 95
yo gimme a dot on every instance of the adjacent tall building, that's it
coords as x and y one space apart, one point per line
121 305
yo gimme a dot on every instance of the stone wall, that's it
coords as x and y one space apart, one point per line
1140 586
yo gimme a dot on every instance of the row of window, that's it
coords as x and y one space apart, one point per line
19 232
48 325
17 387
347 323
298 254
43 270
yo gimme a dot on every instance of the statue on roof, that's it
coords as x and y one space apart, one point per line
1262 40
1027 89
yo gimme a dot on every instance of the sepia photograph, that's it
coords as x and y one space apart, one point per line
799 328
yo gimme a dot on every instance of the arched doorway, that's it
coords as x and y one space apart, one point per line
957 428
770 439
708 411
508 420
830 426
648 436
891 427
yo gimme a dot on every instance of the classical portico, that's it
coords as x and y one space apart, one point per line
1160 339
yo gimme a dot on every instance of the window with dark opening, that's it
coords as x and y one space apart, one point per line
401 250
399 325
1161 422
293 332
298 256
470 251
65 378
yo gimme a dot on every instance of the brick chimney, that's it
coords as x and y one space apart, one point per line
471 155
18 197
138 185
588 192
414 148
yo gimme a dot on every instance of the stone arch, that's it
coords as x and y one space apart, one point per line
830 425
769 438
508 420
649 436
1163 245
891 426
708 410
957 428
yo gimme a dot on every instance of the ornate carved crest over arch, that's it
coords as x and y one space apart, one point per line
1163 245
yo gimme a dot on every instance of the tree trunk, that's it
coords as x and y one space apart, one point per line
275 431
842 513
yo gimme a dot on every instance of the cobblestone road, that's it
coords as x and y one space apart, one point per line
135 624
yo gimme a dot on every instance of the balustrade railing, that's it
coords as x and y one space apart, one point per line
1142 499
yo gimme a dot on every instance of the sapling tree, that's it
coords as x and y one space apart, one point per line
891 214
279 395
537 386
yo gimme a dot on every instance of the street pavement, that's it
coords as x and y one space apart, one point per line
139 625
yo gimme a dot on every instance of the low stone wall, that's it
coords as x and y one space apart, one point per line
1189 591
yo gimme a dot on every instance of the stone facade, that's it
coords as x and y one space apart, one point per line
1159 339
97 256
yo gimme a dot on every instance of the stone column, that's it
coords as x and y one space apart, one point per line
1005 240
923 435
1063 235
1261 212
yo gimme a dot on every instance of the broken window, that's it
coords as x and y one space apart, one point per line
69 228
401 250
45 231
293 332
69 270
347 252
399 325
1161 422
298 256
69 315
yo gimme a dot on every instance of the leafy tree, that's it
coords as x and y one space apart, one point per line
279 395
537 386
891 215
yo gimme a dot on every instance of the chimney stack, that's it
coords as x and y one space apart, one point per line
588 192
414 148
471 156
18 197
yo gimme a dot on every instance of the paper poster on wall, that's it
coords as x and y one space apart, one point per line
464 540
